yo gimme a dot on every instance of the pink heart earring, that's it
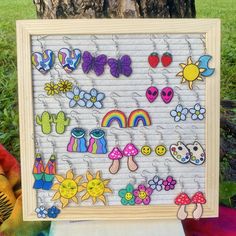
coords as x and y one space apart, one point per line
152 91
167 93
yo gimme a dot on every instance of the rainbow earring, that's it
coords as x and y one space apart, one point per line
138 115
97 141
115 115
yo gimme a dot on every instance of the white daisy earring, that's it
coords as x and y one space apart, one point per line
180 112
197 111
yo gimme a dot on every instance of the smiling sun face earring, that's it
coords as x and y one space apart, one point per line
146 149
160 149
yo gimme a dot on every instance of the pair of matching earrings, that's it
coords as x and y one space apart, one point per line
183 200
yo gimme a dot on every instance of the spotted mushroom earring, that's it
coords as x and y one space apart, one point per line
152 91
69 57
115 155
182 200
130 151
198 199
160 149
146 149
43 61
97 141
167 93
77 141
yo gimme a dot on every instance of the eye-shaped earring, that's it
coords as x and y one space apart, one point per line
126 194
160 149
77 141
69 57
60 120
130 151
179 151
167 93
45 119
182 200
167 57
114 115
95 186
139 114
121 65
143 192
146 149
115 155
95 63
153 58
67 187
168 183
197 112
152 91
197 152
97 141
156 183
43 61
180 112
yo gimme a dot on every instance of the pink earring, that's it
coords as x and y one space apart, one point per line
152 91
167 93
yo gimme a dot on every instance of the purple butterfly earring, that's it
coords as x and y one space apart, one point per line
120 66
152 91
95 63
167 93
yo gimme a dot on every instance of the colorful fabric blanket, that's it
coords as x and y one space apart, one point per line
11 222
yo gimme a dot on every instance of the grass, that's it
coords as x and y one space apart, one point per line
24 9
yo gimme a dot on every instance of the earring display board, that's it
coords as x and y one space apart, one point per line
119 119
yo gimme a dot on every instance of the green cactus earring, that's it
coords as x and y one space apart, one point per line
45 119
60 120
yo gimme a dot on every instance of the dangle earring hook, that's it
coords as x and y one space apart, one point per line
39 39
96 117
134 97
203 40
166 42
114 39
197 182
146 149
113 95
94 39
66 41
42 98
189 45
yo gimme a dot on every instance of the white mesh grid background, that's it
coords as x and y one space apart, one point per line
138 47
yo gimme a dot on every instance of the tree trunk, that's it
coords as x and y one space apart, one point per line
52 9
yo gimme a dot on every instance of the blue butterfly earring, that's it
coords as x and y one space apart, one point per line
69 57
122 65
95 63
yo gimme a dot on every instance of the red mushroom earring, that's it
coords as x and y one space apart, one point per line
115 155
182 200
130 151
198 199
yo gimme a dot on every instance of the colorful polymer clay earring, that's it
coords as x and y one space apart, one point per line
95 63
180 151
153 58
130 151
43 61
156 183
126 194
60 120
115 155
97 141
41 211
139 114
45 119
152 91
67 187
182 200
146 149
197 111
167 93
115 115
143 192
77 141
121 65
166 58
69 57
180 112
168 183
95 186
198 199
160 149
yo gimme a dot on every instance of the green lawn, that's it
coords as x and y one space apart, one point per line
24 9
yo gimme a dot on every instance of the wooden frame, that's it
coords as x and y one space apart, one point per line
28 28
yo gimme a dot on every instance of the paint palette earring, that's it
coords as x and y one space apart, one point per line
180 152
43 61
197 153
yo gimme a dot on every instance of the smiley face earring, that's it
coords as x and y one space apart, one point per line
146 149
160 149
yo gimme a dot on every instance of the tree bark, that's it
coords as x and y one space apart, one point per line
61 9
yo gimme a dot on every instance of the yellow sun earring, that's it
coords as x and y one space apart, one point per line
95 186
67 187
191 71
